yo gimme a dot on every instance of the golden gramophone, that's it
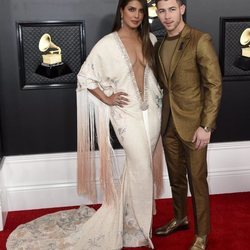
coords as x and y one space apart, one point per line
243 62
53 52
52 65
245 40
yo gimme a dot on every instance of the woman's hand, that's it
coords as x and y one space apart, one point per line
117 99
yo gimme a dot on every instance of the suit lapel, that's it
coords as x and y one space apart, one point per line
180 48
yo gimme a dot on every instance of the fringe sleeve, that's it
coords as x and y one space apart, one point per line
92 124
86 174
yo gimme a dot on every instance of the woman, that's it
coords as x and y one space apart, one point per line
116 83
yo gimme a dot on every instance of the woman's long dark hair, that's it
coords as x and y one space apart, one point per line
147 47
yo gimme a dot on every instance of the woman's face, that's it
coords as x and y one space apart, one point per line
132 14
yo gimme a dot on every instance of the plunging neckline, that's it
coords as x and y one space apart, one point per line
144 97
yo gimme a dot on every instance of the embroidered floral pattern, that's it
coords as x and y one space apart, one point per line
132 234
158 101
95 242
54 231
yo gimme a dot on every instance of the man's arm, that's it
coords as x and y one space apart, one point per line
210 80
211 87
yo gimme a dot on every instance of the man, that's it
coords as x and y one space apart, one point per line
190 76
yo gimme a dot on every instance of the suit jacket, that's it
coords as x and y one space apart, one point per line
192 91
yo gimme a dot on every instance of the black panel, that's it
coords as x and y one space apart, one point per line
1 147
44 121
233 121
234 66
1 102
69 36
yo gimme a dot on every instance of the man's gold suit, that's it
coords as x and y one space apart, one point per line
191 98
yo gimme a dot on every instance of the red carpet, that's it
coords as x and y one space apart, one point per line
230 218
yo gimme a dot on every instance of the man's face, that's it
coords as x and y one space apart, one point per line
170 14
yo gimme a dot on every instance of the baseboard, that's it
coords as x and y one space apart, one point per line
49 180
3 199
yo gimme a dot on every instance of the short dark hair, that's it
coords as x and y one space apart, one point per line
181 2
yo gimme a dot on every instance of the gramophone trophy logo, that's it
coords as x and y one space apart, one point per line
52 65
243 62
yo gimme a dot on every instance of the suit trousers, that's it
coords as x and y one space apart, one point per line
184 160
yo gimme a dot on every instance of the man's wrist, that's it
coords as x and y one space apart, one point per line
207 129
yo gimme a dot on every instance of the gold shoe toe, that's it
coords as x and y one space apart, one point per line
200 243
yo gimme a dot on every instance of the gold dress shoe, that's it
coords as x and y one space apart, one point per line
172 227
200 243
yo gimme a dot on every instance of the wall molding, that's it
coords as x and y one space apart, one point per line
3 199
49 180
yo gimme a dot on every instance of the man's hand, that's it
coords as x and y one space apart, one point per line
201 138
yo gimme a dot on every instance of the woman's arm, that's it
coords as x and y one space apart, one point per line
116 99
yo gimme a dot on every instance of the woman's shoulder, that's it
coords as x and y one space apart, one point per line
106 40
102 47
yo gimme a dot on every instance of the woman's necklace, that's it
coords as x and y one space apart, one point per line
144 100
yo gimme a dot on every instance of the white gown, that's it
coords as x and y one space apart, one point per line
125 221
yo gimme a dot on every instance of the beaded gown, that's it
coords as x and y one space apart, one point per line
125 218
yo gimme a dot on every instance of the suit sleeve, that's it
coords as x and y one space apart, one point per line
210 80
